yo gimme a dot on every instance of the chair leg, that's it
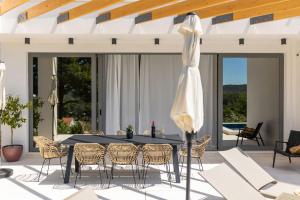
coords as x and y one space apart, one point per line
237 141
181 157
48 166
257 141
104 165
290 159
133 175
41 170
100 174
242 141
79 172
274 157
169 173
61 166
145 174
261 139
137 168
200 164
111 174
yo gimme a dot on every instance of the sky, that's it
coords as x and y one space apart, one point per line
234 71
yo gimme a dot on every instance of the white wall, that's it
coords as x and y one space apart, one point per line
15 54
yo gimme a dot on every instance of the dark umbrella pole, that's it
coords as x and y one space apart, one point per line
53 106
189 137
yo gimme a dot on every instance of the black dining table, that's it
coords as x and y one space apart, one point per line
173 140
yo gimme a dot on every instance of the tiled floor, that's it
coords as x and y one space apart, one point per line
23 184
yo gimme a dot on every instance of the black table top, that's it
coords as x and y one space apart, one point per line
137 139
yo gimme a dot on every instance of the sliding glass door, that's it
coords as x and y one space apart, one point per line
250 92
71 75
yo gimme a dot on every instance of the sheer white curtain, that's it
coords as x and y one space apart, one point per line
129 90
113 93
206 71
121 91
158 82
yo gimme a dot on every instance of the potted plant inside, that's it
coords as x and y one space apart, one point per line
12 117
129 132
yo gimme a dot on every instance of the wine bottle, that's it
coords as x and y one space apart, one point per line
153 130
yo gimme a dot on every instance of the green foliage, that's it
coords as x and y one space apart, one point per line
129 129
62 127
76 128
74 88
37 106
235 103
12 114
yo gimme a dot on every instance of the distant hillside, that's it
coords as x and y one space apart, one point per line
235 88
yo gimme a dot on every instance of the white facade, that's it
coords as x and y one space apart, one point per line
47 36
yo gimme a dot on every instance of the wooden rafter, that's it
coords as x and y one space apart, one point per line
8 5
85 9
234 6
227 8
261 13
42 8
267 9
132 8
177 9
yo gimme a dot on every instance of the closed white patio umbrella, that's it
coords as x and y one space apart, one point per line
187 109
52 98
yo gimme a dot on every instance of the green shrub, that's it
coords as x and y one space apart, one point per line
62 127
76 128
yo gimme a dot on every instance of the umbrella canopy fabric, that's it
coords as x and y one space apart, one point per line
52 98
187 109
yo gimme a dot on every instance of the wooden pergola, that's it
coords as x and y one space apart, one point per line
220 11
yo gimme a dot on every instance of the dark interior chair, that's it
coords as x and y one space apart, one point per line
251 134
294 140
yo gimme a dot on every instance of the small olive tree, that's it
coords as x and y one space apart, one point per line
12 114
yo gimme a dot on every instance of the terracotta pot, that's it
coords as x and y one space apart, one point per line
12 153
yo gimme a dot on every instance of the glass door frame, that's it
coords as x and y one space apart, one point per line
219 91
93 87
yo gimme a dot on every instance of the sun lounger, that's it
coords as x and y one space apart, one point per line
256 175
228 131
85 193
228 183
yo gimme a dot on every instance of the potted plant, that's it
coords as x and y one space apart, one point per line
129 132
12 117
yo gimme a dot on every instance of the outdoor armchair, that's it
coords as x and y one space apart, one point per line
294 140
89 154
157 154
49 150
251 134
198 149
122 154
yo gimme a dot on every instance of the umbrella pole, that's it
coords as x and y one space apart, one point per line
189 137
52 122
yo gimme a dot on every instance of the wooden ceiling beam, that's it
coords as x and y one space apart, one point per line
42 8
227 9
131 8
85 9
8 5
259 14
177 9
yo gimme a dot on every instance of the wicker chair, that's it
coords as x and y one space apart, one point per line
122 154
198 149
121 132
49 150
89 154
157 154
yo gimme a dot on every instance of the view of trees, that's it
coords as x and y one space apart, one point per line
74 91
234 103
